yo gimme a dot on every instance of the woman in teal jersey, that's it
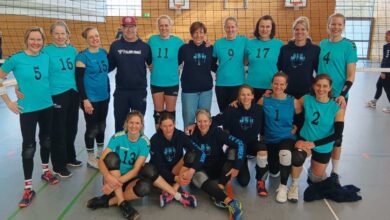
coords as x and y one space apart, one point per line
164 82
262 54
93 86
229 51
324 123
65 97
31 70
279 131
338 59
125 174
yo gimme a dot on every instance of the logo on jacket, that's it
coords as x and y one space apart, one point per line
297 59
200 58
246 122
169 153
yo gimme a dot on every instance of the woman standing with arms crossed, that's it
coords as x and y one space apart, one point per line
229 51
262 54
31 70
338 59
164 83
93 86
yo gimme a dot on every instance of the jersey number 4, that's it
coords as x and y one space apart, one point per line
326 58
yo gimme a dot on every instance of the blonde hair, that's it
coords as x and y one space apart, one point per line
204 112
336 15
230 18
303 21
33 29
59 24
131 114
170 21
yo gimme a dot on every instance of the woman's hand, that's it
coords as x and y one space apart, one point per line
190 129
19 95
14 107
233 172
88 107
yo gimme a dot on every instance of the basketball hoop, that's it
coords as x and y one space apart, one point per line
178 6
296 4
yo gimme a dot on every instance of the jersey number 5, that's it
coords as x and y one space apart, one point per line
37 73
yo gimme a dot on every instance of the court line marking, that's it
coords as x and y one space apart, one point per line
326 201
42 187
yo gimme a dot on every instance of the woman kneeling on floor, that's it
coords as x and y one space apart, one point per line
125 175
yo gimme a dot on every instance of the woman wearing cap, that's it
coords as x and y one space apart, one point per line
262 54
229 51
31 70
164 80
94 90
128 56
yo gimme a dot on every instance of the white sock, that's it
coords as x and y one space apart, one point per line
295 181
177 196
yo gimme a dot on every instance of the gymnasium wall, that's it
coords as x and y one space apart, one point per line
211 13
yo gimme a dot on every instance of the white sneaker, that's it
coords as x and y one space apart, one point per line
292 195
371 103
281 195
386 109
92 162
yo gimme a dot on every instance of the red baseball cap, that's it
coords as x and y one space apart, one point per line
129 20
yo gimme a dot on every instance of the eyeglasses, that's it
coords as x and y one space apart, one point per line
129 27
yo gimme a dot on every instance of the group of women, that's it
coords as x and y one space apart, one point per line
298 118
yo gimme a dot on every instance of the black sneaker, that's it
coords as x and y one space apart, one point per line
75 163
335 177
65 173
128 211
98 202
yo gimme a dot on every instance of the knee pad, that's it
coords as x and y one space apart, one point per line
189 157
261 161
28 151
101 127
199 179
314 178
149 171
112 161
231 154
45 142
285 158
143 187
338 142
156 116
298 157
92 132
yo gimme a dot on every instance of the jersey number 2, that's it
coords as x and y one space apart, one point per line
316 118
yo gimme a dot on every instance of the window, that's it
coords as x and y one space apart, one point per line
359 31
124 7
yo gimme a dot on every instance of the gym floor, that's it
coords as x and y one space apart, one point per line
365 159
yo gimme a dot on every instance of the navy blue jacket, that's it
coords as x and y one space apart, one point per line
299 63
198 64
165 154
130 59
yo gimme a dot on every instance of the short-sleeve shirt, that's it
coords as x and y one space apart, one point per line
32 75
96 74
319 121
62 68
164 59
128 151
263 59
333 60
230 54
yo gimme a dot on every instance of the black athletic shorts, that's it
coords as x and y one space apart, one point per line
169 90
323 158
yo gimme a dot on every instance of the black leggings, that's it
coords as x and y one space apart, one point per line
244 177
96 123
225 95
28 126
66 117
274 159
